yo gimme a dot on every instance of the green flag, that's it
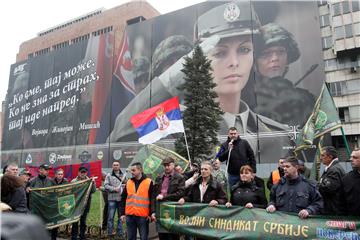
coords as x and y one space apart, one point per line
151 156
323 119
200 220
62 204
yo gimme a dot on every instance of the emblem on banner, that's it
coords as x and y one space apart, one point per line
66 205
320 120
167 216
151 164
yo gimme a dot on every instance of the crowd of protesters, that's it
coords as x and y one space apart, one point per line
134 199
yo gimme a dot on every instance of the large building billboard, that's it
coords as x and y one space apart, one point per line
76 101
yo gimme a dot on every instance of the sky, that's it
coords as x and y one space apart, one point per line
21 20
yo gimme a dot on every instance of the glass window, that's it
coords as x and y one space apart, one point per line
322 2
345 7
356 29
348 31
330 64
341 63
355 5
324 20
354 113
353 86
327 42
339 32
337 10
344 114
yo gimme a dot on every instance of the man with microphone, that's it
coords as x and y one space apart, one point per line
236 152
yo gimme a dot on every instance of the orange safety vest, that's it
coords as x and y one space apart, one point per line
138 203
275 176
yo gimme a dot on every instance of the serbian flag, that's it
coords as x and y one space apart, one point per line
159 121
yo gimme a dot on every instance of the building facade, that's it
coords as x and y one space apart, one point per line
340 30
81 28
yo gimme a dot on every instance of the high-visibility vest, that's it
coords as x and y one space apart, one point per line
138 202
275 176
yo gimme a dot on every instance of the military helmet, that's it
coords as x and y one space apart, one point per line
228 20
141 66
273 34
169 51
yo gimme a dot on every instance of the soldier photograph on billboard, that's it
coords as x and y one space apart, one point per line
264 60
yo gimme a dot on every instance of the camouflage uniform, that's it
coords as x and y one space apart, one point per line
168 52
277 97
141 70
220 176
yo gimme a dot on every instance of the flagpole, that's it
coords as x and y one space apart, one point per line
101 210
187 147
227 176
346 143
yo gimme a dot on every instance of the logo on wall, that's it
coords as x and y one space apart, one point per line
100 155
52 158
294 132
85 156
117 154
19 69
28 159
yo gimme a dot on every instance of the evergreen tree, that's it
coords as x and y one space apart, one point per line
202 115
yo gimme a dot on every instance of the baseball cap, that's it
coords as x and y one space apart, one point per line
44 166
25 172
83 169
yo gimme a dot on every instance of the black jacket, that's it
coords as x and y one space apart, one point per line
214 191
351 189
330 185
295 195
241 155
63 181
243 193
176 188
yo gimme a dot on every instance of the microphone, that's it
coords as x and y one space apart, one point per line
231 144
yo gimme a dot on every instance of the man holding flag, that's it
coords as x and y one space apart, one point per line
82 175
324 119
170 186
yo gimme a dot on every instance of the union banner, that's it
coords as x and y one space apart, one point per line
60 205
219 222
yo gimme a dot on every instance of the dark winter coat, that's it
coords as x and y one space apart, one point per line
176 188
330 185
247 192
214 191
40 182
351 190
241 154
16 200
63 181
295 195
